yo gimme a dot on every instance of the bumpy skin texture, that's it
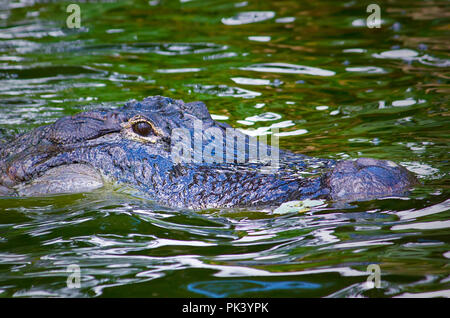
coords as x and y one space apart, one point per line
103 141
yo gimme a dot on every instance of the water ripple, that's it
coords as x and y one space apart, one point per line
388 100
224 288
223 91
288 69
249 17
411 55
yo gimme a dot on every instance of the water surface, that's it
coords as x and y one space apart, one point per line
334 88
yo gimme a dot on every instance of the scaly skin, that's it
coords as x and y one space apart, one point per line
104 141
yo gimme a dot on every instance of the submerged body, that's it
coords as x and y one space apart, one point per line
134 145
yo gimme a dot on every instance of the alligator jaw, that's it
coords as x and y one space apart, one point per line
72 178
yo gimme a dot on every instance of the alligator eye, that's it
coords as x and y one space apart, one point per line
142 128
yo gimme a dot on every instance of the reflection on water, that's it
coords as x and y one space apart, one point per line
288 68
235 287
248 17
313 70
223 91
411 55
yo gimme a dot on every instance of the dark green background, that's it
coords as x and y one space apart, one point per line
128 247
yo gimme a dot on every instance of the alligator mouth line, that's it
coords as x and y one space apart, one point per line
71 178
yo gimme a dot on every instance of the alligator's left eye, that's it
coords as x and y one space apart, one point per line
143 128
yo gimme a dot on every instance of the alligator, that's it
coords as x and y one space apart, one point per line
133 146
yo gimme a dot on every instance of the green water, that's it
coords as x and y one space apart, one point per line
336 88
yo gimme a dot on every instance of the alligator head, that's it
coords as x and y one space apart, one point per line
134 145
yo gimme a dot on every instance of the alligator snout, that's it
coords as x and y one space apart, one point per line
367 178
